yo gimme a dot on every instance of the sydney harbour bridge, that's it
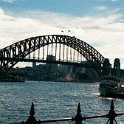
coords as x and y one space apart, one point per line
65 50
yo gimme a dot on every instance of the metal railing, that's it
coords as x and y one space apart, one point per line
111 116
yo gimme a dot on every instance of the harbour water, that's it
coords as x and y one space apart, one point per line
54 100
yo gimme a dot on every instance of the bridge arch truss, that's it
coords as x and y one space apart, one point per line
10 55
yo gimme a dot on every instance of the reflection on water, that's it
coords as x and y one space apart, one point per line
53 100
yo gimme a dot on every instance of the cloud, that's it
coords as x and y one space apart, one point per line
14 29
9 1
103 33
107 0
106 11
102 8
115 0
1 12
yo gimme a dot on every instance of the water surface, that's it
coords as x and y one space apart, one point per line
53 100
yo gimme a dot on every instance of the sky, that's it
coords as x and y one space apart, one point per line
100 23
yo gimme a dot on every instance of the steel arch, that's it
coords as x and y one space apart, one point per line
23 48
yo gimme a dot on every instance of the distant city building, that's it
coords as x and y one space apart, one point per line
51 58
34 64
51 67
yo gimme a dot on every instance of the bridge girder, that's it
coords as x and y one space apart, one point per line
23 48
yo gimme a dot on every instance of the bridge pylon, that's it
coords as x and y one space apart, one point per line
106 67
116 71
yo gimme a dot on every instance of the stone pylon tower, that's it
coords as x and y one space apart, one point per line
116 67
106 67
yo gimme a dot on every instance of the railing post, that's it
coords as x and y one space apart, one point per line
78 118
111 115
31 119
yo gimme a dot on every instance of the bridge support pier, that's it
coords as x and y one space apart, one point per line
116 71
106 67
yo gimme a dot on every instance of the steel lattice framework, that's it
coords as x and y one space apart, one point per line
23 48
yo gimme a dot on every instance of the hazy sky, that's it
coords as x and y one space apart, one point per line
97 22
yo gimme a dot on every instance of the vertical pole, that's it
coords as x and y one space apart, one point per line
43 49
29 54
67 53
34 55
63 51
55 50
70 54
47 50
59 51
52 49
38 53
77 56
81 57
74 56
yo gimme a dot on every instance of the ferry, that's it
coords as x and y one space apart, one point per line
111 87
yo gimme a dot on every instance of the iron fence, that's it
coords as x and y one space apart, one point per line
111 116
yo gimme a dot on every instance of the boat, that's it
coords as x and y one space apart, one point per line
111 87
